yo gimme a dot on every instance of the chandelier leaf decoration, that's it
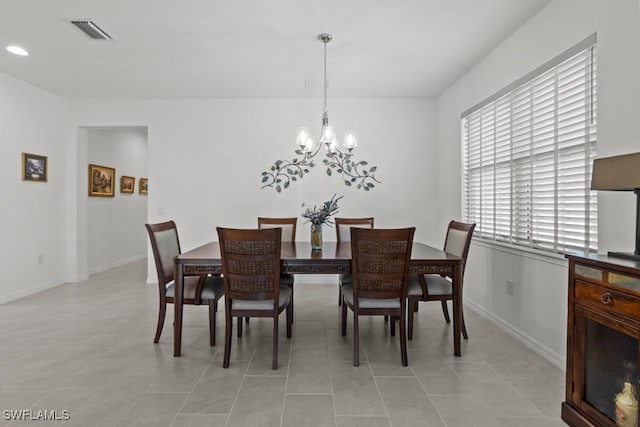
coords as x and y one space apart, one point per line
338 161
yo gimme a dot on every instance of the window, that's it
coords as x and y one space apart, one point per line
528 154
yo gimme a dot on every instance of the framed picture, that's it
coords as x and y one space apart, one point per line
101 181
144 185
34 167
127 184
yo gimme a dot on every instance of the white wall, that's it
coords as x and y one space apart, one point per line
206 157
32 213
537 311
115 225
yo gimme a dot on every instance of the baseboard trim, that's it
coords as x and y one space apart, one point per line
27 292
551 356
52 284
118 263
80 278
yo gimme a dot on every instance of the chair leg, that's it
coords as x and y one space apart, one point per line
161 314
289 312
246 320
339 294
411 311
445 311
403 337
213 307
239 327
227 337
386 318
275 342
393 326
291 303
344 319
464 328
356 340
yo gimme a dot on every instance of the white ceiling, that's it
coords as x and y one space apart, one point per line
253 48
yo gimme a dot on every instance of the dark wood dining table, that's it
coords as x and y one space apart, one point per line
334 258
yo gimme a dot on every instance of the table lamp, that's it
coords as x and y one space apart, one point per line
620 173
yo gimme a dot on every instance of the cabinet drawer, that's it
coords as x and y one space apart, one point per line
617 302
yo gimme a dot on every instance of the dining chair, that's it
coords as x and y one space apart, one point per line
288 226
198 289
433 287
251 272
380 267
343 234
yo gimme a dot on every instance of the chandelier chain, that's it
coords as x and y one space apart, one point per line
325 75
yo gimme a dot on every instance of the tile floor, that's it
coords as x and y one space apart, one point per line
87 348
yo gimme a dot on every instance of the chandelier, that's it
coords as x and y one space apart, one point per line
339 160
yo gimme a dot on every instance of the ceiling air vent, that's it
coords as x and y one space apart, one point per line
91 29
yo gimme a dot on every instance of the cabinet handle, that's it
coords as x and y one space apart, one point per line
606 298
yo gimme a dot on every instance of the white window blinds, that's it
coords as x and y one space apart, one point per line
528 154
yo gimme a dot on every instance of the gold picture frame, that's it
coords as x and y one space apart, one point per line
127 184
144 186
101 181
34 167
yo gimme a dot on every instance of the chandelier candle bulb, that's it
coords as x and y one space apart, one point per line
350 141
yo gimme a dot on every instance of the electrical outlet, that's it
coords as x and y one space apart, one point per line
510 287
40 259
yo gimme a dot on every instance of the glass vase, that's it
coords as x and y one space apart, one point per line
316 237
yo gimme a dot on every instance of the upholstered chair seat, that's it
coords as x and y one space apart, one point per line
213 287
436 285
347 293
267 304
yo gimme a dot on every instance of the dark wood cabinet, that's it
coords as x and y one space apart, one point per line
603 336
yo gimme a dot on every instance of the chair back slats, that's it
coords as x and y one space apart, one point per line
166 246
344 225
288 226
380 262
251 263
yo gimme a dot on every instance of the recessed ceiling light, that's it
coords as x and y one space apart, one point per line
17 50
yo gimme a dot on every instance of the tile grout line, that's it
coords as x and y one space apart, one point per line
195 384
286 381
428 396
329 365
375 381
244 377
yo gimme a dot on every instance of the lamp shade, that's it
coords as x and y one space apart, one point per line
621 173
